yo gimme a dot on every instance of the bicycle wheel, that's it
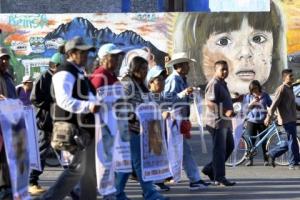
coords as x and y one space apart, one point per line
273 141
239 156
52 160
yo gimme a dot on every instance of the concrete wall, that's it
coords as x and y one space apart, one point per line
72 6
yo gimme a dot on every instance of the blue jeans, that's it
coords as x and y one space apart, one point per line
149 191
223 145
291 145
189 165
82 171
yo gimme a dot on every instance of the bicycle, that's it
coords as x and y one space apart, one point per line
245 148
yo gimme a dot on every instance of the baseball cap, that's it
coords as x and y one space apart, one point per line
78 43
154 72
109 48
3 52
57 58
27 78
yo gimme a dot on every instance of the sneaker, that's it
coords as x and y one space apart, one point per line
35 190
161 187
207 173
170 181
266 163
294 167
224 182
198 185
249 163
271 160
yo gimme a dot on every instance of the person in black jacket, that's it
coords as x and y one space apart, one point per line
7 90
74 108
42 100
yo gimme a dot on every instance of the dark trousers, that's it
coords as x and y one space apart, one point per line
4 169
223 145
252 129
291 145
44 146
82 171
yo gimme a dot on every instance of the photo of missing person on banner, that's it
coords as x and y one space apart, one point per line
155 137
20 150
18 155
124 133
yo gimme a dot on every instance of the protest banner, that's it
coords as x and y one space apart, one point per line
154 155
112 140
175 144
31 127
15 138
237 126
198 108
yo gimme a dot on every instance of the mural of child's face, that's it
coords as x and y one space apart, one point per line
247 51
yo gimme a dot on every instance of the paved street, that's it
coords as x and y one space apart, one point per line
257 182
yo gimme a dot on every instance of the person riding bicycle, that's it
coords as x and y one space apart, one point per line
256 102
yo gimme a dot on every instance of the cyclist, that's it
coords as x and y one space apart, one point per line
257 102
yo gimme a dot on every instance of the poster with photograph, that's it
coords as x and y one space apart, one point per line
154 155
109 128
15 137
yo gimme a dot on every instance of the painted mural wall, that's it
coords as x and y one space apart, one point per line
255 44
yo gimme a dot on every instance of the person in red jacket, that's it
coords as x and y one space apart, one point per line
105 74
109 56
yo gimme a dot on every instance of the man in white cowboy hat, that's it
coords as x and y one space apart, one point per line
178 92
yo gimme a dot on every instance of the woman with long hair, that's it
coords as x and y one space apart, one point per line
257 102
136 93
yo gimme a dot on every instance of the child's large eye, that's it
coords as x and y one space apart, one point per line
224 41
259 39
